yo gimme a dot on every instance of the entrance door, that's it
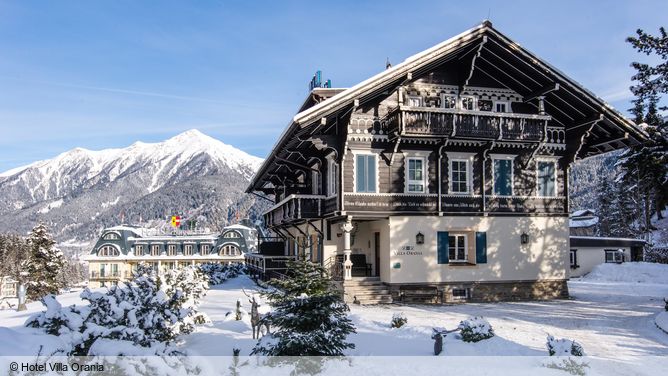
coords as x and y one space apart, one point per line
376 250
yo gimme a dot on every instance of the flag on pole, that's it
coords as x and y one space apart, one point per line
176 221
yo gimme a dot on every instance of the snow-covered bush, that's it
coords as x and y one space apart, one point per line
148 312
398 320
563 347
475 329
219 273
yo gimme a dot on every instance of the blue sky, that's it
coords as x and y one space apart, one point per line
100 74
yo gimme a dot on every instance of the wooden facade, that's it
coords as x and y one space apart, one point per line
475 126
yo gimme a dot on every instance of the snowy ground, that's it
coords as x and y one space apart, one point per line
610 313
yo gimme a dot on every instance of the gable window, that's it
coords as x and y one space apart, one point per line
229 250
333 177
546 177
414 101
449 101
188 250
467 103
139 250
614 256
365 173
415 175
457 245
501 106
155 250
459 176
231 234
503 176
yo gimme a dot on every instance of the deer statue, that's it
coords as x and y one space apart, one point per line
256 318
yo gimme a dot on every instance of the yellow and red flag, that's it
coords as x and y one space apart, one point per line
176 220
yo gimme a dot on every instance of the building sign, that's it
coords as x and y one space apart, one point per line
407 250
390 203
527 204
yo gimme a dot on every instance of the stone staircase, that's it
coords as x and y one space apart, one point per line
368 290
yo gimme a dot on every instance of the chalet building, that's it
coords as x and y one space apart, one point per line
119 249
443 178
588 251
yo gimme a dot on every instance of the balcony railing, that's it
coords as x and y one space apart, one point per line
267 267
457 123
294 208
105 275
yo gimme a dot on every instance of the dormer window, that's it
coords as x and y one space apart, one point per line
502 106
139 250
107 250
204 249
155 250
188 250
111 236
171 250
231 235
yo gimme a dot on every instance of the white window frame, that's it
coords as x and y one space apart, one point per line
202 249
332 177
140 250
422 181
411 98
155 246
169 248
188 249
444 97
506 103
504 157
460 102
556 175
461 157
466 247
316 182
375 155
572 254
618 257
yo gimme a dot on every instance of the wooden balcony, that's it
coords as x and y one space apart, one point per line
294 208
456 123
266 267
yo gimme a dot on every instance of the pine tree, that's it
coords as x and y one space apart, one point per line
605 198
644 168
309 315
44 264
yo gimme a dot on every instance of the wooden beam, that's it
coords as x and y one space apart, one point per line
541 92
294 164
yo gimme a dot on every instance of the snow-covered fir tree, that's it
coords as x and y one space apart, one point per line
605 197
309 316
644 168
44 264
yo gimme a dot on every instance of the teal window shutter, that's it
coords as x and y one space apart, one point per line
481 247
442 247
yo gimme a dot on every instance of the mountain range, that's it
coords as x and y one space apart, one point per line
81 191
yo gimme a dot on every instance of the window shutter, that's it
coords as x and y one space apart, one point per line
442 247
481 247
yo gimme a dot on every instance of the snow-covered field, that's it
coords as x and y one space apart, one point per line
612 313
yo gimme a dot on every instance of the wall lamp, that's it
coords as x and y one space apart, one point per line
524 238
419 238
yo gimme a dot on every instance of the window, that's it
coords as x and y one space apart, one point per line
546 178
503 177
467 103
229 250
457 248
485 105
501 106
574 259
316 183
414 101
204 249
171 250
114 270
107 250
333 177
155 250
231 234
415 175
365 178
459 176
111 236
139 250
460 294
614 255
103 270
188 250
449 101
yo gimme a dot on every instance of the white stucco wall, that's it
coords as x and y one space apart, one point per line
589 257
545 257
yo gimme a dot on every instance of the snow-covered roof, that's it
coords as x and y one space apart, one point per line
588 222
583 212
237 227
